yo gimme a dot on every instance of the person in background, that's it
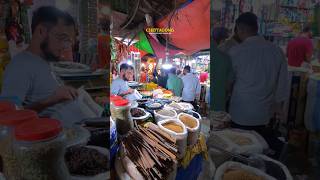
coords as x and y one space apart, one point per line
174 83
191 86
143 75
120 86
300 49
222 74
162 78
204 76
114 73
260 81
226 45
179 73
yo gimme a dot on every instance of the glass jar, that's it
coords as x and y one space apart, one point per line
120 113
8 121
39 147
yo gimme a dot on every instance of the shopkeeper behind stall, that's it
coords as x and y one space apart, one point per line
120 86
29 75
300 49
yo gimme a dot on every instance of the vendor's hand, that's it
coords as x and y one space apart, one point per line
130 91
64 93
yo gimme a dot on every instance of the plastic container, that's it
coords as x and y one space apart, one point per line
160 117
120 112
115 97
193 132
8 121
6 106
39 149
181 138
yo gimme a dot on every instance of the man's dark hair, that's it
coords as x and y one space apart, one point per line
220 34
250 20
124 66
173 70
50 16
130 67
188 68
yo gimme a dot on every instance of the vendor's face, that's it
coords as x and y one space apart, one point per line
129 75
56 40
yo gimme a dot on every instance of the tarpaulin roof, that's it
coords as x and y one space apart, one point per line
143 43
160 50
191 26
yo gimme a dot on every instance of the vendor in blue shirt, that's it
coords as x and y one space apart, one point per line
120 86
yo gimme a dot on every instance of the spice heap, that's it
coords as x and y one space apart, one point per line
152 151
188 121
240 175
136 112
167 113
173 127
85 161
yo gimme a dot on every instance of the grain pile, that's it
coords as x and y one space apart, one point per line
188 121
152 151
173 127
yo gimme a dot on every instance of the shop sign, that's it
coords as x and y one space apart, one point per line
159 30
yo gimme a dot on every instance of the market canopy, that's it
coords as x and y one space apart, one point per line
191 26
143 43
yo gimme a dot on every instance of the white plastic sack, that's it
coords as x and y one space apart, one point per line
312 114
159 117
256 147
235 165
180 137
283 167
193 133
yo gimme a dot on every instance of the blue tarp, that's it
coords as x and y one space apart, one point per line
192 171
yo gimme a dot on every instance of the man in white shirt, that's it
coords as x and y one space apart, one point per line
261 78
191 86
120 86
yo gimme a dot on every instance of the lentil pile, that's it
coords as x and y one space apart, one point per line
173 127
188 121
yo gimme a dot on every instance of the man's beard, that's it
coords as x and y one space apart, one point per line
48 55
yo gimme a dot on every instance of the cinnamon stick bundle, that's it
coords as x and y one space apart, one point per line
153 152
